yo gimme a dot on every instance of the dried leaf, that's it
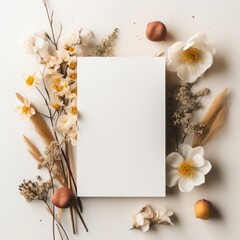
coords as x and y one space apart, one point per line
20 97
213 120
33 150
42 128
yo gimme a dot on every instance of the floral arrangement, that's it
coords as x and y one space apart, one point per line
57 124
56 83
186 165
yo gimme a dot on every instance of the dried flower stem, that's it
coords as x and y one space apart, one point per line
51 212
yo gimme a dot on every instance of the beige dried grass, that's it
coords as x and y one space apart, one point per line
33 150
213 120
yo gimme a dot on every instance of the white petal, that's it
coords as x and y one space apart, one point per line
175 50
206 60
184 150
146 226
198 160
174 159
196 69
185 74
195 151
198 179
185 184
206 168
172 178
139 219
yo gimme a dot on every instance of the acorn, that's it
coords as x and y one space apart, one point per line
156 31
63 197
203 209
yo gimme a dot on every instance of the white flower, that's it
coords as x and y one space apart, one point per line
38 45
163 216
189 168
56 102
148 216
72 107
26 110
192 58
76 43
66 122
32 80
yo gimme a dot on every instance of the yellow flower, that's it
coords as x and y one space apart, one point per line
26 110
72 108
32 80
56 103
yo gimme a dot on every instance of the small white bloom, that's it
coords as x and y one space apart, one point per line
38 45
188 168
26 110
72 107
76 43
32 80
148 217
163 216
192 58
56 102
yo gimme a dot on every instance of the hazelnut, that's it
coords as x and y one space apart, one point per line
156 31
203 209
63 197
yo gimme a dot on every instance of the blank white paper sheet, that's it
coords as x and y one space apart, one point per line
121 136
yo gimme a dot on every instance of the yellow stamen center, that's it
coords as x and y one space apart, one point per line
74 110
25 109
191 55
56 106
73 65
30 80
187 169
71 49
74 91
73 76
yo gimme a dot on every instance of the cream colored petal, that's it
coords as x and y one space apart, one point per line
198 179
138 220
185 184
185 74
145 226
147 212
205 168
172 178
184 150
206 60
174 159
195 151
198 160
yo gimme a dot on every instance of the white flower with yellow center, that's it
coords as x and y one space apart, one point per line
26 110
38 45
188 168
56 102
32 80
72 108
192 58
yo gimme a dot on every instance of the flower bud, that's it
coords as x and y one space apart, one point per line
203 209
63 197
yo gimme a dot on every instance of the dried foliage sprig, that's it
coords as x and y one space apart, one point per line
56 83
213 120
186 165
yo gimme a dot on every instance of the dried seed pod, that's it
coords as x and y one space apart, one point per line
156 31
63 197
203 209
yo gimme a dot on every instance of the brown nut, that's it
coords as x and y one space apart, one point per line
63 197
203 209
156 31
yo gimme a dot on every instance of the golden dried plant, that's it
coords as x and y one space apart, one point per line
213 120
33 150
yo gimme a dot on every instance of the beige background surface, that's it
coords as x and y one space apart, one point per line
110 219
